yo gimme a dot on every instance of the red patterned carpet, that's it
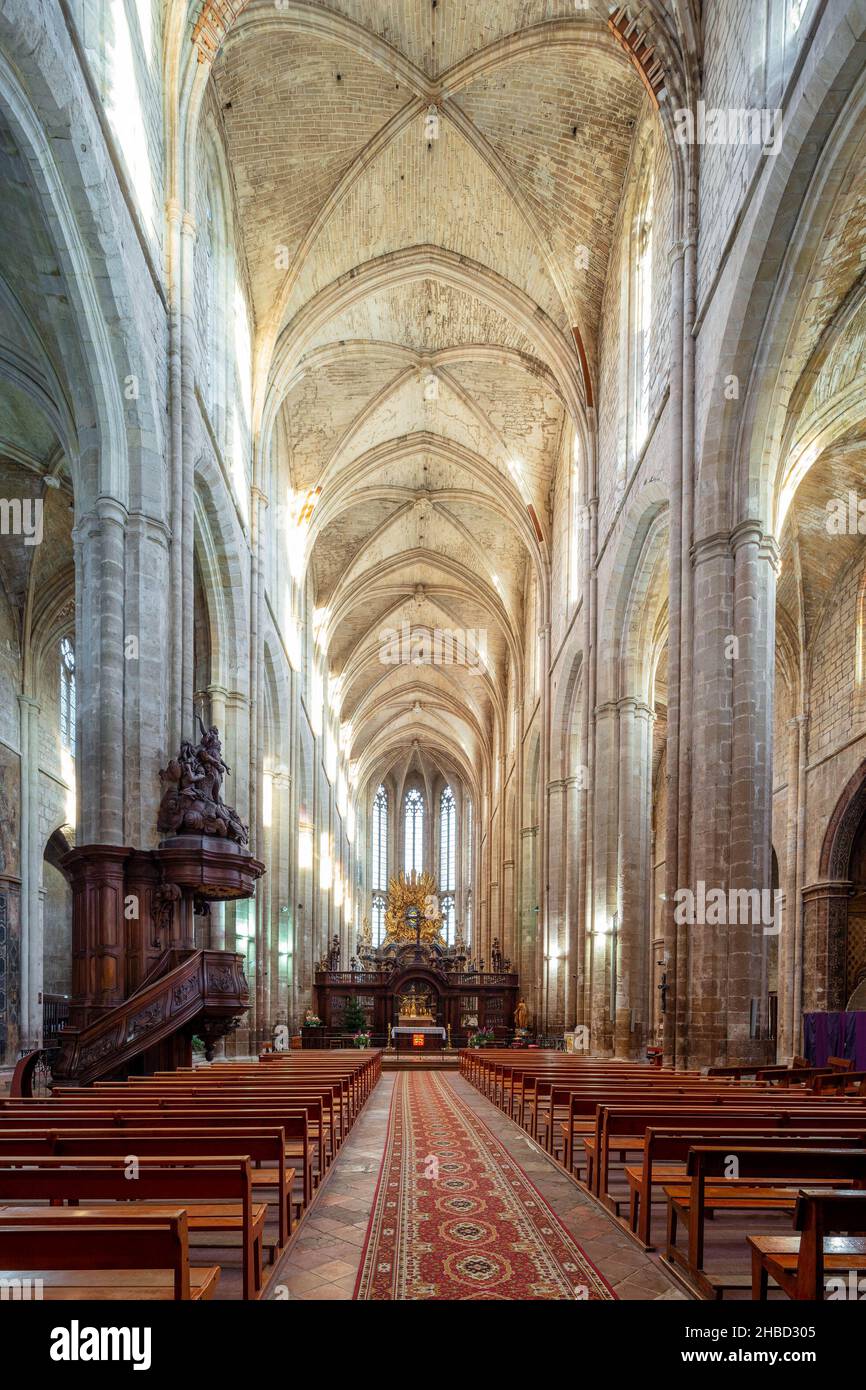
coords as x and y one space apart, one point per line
455 1217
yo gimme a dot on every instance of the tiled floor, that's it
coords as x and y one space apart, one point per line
322 1262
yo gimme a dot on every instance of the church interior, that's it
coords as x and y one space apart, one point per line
433 650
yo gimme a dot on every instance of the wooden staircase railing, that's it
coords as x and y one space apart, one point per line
208 987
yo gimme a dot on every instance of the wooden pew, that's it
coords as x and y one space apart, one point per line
581 1105
588 1111
839 1082
46 1115
799 1263
622 1128
266 1146
102 1254
768 1181
219 1191
666 1151
320 1102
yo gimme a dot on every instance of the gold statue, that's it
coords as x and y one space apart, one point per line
521 1015
414 1005
418 891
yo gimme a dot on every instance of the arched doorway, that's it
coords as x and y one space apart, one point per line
423 983
56 937
855 938
834 907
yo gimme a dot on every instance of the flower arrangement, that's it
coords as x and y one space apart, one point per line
312 1021
482 1037
362 1039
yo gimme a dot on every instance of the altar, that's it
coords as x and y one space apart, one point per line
415 985
422 1037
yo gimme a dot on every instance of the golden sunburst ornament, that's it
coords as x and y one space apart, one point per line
412 891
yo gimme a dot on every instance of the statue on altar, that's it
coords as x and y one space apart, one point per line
521 1017
414 1007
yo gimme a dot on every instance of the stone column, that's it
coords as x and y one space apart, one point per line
731 791
189 408
217 696
557 941
755 568
789 942
543 934
575 934
634 902
509 907
825 924
99 648
147 644
31 931
281 962
175 595
529 981
700 950
604 921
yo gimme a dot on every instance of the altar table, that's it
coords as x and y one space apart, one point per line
406 1038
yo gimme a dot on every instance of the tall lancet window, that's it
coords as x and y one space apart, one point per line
449 918
413 833
379 854
641 302
378 922
380 839
448 861
447 842
67 695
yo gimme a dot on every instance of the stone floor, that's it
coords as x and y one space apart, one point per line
322 1262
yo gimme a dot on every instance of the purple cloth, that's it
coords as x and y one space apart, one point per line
838 1034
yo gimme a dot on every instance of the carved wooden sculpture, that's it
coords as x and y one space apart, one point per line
192 801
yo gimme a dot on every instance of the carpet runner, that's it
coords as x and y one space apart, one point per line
455 1217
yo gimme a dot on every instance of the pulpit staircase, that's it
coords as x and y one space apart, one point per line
186 992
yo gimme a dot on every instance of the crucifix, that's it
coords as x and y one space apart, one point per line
663 988
413 919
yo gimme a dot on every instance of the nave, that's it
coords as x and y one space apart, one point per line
438 1196
432 655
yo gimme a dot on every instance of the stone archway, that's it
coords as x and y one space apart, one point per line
834 903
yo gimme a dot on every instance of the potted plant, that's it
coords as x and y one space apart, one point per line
362 1039
482 1037
354 1019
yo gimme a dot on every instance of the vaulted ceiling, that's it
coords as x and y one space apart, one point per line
427 197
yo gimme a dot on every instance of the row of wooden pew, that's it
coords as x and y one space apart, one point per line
744 1151
125 1189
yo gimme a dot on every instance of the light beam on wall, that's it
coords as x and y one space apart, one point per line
326 868
67 772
